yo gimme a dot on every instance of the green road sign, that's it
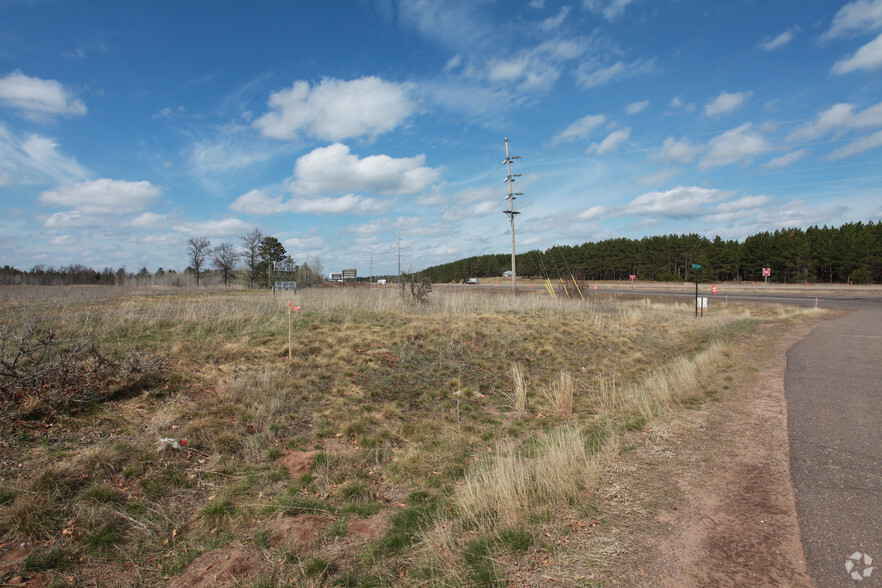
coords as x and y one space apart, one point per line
696 266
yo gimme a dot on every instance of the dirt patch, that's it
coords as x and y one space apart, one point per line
701 497
222 568
297 462
730 518
369 529
296 534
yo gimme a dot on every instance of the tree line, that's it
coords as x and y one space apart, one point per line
851 253
249 264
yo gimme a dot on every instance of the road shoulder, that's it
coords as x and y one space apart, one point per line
704 496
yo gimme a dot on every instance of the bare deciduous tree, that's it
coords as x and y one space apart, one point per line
223 259
197 249
251 241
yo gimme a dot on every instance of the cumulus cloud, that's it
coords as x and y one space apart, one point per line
636 107
335 109
674 151
787 159
335 170
857 146
346 204
856 17
591 74
868 57
37 98
215 228
839 119
103 196
611 143
258 202
725 103
150 220
581 129
679 202
739 145
677 103
592 213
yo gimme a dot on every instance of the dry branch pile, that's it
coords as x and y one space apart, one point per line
43 375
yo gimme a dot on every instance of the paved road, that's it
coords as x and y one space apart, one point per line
833 387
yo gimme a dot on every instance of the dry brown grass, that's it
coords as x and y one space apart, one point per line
413 409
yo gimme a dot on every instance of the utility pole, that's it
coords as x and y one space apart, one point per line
511 212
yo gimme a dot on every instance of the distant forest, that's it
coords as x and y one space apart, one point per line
850 253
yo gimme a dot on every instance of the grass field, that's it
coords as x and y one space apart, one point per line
450 443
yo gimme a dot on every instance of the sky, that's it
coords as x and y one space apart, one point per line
348 129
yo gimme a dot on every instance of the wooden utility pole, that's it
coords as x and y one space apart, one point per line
511 212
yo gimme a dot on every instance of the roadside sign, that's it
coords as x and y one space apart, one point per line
696 266
633 277
767 271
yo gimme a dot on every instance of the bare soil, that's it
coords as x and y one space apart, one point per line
705 498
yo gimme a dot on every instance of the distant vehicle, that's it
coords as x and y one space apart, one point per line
469 281
381 282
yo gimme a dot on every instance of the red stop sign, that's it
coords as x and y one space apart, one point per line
767 271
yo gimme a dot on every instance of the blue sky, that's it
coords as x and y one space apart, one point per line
127 127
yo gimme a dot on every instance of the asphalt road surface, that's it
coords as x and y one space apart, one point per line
833 387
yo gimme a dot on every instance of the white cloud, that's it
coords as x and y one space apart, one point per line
581 129
610 9
856 17
485 208
787 159
612 142
678 104
347 204
868 57
592 213
590 75
554 22
636 107
150 220
215 228
857 146
299 244
725 103
679 202
674 151
103 197
257 202
739 145
777 42
744 203
536 68
839 119
335 170
34 160
69 220
37 98
335 109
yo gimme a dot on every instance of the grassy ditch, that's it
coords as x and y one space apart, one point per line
437 443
